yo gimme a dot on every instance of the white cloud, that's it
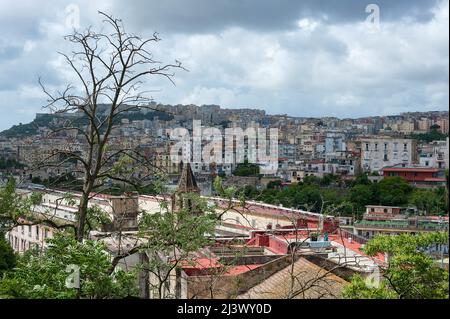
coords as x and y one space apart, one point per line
315 68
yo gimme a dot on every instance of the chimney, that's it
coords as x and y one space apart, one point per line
125 209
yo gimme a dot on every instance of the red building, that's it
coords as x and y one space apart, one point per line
416 175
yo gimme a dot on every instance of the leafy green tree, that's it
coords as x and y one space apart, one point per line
358 289
171 236
330 179
308 197
361 179
394 191
429 201
310 180
14 207
44 274
6 163
410 272
246 169
7 256
361 195
274 184
433 135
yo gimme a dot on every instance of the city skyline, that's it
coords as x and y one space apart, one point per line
278 115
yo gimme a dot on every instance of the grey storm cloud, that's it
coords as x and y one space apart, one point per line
303 58
265 15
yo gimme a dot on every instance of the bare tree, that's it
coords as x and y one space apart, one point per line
110 68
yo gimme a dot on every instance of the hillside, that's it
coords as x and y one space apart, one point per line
45 120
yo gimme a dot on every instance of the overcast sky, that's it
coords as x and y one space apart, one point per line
303 58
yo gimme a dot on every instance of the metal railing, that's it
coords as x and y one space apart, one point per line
354 237
407 226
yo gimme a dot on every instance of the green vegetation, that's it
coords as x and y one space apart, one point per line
393 191
429 201
432 135
305 195
44 274
13 206
10 163
314 193
7 256
64 181
410 272
28 129
175 235
246 169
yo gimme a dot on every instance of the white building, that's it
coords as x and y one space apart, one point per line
379 152
436 155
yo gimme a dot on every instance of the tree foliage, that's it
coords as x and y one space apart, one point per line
246 169
433 135
14 207
394 191
430 201
171 236
44 274
7 256
410 272
316 193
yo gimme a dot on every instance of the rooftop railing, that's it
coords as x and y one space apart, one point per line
348 234
401 225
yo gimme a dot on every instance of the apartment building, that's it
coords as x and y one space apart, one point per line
379 152
24 237
443 124
435 154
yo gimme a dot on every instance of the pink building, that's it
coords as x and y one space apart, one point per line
443 123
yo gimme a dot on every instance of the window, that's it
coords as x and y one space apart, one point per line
385 146
385 157
29 230
405 146
367 146
376 146
37 232
385 210
45 233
